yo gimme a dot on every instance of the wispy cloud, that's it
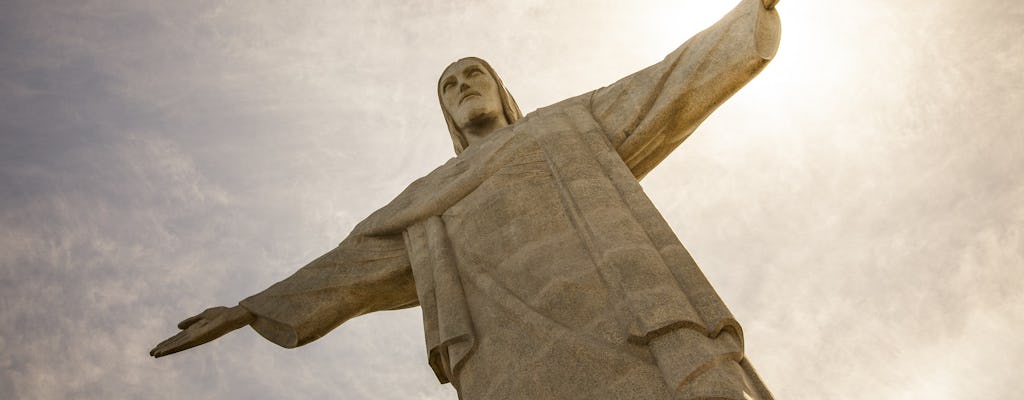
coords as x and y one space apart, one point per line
857 205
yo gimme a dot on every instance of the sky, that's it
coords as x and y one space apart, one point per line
859 205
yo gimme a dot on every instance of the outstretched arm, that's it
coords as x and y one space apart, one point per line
648 114
363 274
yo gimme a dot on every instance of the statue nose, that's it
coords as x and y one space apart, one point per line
463 87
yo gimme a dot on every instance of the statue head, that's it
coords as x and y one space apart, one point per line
471 92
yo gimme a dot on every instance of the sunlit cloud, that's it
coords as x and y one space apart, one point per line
857 205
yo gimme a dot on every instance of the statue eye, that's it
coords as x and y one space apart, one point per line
447 85
474 72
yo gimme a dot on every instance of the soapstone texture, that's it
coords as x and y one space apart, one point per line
542 269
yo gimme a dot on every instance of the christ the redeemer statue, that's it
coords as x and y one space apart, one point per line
542 269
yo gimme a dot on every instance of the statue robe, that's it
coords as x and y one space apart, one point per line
542 268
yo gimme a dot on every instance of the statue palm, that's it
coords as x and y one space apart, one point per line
204 327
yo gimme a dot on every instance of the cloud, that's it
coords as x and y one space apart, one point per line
857 205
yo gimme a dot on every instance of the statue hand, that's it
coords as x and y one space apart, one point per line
769 4
208 325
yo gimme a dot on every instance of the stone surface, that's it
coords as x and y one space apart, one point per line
542 268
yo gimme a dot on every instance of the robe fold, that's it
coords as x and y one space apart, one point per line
542 268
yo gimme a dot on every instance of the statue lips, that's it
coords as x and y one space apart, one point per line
467 95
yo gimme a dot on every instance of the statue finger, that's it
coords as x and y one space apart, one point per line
187 340
177 343
170 340
164 345
187 322
213 312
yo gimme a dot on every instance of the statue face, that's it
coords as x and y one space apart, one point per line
469 93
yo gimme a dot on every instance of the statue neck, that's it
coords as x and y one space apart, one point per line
476 131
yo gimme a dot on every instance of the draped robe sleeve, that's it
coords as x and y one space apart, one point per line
648 114
363 274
